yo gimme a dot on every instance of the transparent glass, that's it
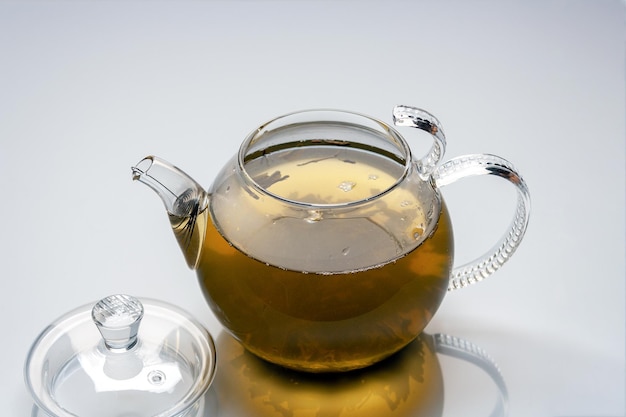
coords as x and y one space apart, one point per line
324 244
121 357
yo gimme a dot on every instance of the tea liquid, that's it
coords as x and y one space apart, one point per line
318 291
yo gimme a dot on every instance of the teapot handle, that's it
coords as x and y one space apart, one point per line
423 120
486 164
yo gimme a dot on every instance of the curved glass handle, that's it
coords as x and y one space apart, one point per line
461 349
485 164
421 119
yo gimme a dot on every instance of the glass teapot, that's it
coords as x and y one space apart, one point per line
324 245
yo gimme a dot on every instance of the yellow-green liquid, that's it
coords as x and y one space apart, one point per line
322 322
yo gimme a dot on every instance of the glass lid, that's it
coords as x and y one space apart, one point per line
121 357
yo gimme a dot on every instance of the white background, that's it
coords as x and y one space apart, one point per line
87 88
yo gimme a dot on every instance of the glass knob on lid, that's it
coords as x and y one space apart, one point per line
118 318
121 357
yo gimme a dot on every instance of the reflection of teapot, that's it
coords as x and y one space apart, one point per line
409 383
324 245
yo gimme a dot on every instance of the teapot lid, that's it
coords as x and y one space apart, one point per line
122 357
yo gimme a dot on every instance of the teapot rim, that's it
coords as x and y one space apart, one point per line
309 116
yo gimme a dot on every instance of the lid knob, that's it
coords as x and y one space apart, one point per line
117 318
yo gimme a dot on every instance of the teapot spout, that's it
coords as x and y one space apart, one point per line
185 201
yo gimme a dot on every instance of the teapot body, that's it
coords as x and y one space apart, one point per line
325 322
321 253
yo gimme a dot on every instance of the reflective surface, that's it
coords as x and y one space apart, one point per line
409 383
87 88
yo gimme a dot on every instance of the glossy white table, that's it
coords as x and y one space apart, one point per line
89 88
